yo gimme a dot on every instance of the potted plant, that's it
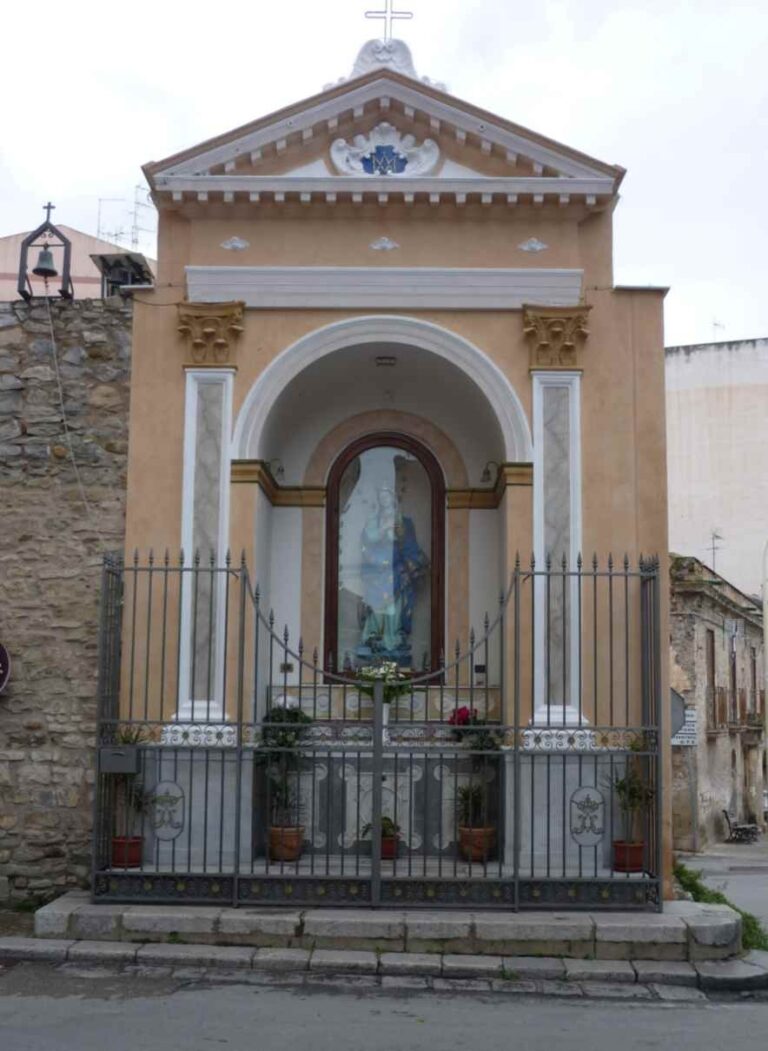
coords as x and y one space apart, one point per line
127 846
390 833
634 796
477 838
282 731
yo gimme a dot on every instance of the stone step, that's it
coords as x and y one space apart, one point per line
441 972
684 932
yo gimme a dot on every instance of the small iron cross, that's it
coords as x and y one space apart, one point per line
48 208
388 16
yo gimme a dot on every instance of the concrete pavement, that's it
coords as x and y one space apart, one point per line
739 870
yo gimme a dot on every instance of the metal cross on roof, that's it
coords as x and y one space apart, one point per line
48 208
388 15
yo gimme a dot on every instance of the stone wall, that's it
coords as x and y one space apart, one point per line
53 532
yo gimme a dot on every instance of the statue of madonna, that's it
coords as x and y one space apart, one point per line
393 568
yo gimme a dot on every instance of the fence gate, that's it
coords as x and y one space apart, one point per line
234 768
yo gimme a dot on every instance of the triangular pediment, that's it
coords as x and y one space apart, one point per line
382 132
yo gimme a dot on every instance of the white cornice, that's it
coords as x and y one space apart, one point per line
384 188
384 91
275 287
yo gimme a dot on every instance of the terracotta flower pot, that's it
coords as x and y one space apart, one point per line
286 842
388 847
476 844
126 852
628 857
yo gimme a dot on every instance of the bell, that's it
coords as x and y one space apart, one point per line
45 265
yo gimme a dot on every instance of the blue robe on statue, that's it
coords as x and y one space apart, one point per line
393 564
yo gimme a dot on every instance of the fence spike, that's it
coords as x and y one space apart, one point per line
242 558
486 623
517 561
167 558
212 558
181 557
314 656
457 649
610 562
594 562
300 649
135 557
151 558
271 619
548 562
564 561
579 562
471 638
196 558
228 558
286 636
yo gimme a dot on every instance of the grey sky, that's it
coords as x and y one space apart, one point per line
673 90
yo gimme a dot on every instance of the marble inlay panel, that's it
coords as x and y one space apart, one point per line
205 537
556 428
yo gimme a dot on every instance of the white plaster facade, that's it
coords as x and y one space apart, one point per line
717 436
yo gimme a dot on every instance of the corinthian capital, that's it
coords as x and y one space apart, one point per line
211 329
556 335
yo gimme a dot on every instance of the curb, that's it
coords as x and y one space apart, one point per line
614 979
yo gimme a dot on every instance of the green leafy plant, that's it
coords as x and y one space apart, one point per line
633 793
388 828
282 732
472 805
753 934
131 800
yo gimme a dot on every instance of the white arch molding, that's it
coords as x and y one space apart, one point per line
477 366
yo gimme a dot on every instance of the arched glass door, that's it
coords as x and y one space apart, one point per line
384 556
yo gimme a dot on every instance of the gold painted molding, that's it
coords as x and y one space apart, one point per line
212 329
556 335
257 472
489 499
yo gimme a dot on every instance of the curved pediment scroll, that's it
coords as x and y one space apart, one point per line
385 151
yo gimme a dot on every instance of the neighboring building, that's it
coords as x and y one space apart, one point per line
85 273
717 436
717 663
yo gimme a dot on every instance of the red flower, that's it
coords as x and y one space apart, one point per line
462 716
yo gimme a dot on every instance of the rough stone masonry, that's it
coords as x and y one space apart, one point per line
51 546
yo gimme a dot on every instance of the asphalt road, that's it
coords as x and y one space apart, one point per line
45 1010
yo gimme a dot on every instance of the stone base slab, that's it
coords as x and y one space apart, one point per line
407 972
684 932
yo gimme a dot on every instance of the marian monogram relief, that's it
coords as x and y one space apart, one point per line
384 151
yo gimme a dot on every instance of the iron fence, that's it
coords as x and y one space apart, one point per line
234 767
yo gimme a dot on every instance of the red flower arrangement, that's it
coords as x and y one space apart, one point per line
472 731
463 716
